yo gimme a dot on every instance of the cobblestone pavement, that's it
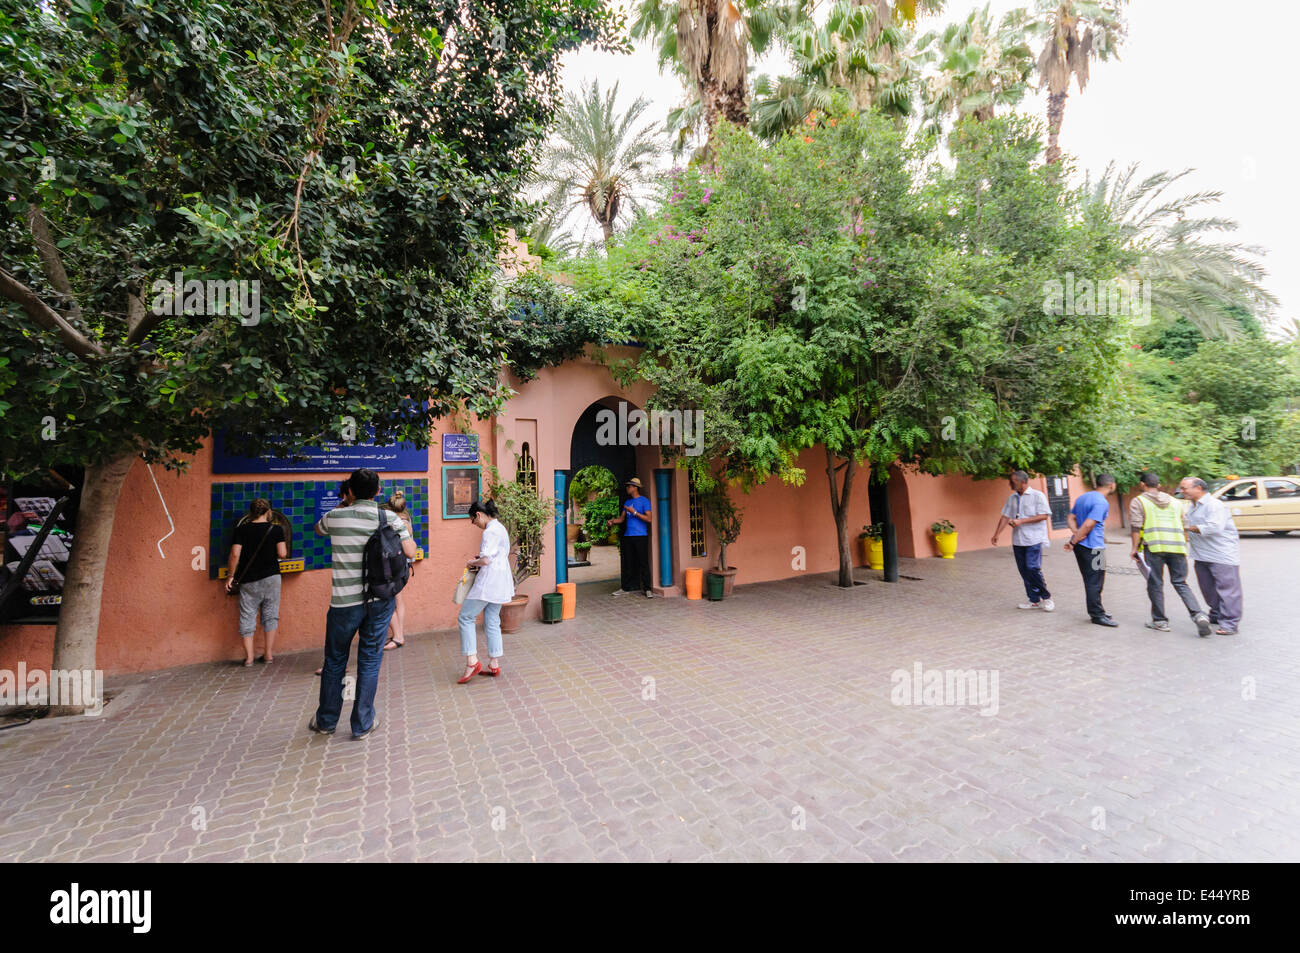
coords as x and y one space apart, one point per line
758 728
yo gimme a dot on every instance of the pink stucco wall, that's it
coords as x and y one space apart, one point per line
161 611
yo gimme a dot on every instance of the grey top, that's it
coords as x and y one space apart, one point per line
1031 503
1217 541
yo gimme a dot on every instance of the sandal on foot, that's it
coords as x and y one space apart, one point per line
478 667
392 644
492 671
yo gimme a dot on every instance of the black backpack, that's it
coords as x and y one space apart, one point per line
384 569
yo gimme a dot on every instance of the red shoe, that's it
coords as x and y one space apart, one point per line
478 667
492 671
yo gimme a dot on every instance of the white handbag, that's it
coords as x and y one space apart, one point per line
462 588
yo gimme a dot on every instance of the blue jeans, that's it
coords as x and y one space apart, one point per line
491 625
1029 560
341 624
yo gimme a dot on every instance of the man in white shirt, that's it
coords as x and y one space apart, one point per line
1027 512
1213 542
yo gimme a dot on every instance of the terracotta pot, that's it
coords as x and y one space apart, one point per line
728 578
512 614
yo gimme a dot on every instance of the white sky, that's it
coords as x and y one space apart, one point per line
1198 84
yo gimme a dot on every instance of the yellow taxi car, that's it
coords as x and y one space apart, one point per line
1269 504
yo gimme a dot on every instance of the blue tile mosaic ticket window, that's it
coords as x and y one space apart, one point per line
302 502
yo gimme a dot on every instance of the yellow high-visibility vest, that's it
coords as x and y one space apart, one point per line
1162 527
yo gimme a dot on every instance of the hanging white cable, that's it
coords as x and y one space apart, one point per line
164 506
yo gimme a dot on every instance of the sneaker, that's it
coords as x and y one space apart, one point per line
367 734
1106 621
619 592
1029 605
1049 605
312 726
1226 631
648 594
1162 626
1202 624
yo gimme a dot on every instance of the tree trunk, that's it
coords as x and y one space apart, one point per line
711 102
1055 116
78 629
608 229
840 507
878 493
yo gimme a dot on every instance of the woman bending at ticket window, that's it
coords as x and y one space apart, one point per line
397 624
255 564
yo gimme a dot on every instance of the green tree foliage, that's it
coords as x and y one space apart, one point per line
354 158
1220 409
842 289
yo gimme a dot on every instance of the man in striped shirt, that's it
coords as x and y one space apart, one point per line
349 527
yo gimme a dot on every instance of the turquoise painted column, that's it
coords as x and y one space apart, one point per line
663 497
561 528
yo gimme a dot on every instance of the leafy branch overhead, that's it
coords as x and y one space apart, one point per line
357 161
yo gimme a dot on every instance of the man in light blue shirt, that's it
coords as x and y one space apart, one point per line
1026 512
1213 542
1088 521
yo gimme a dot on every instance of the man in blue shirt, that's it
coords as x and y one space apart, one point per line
1088 540
636 540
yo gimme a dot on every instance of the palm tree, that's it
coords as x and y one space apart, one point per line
598 161
546 231
1189 273
979 65
709 42
861 56
1068 52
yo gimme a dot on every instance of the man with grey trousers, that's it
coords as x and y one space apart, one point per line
1213 542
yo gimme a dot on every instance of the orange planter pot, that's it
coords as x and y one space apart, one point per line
569 593
694 583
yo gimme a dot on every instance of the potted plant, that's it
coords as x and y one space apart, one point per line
581 548
945 538
725 519
524 513
594 494
873 545
596 514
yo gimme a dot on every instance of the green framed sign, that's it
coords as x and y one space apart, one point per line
461 486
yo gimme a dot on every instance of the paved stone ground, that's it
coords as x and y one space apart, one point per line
770 735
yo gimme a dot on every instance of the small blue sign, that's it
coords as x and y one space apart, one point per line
460 448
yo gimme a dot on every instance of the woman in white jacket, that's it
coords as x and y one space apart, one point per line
493 588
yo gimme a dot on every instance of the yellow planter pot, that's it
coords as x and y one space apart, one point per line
873 552
947 544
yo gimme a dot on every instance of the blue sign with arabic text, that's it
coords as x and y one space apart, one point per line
460 448
328 457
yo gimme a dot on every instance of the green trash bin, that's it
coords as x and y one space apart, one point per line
552 606
714 583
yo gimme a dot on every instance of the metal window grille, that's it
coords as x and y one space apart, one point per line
530 547
697 519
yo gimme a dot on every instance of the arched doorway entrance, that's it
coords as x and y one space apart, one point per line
598 471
